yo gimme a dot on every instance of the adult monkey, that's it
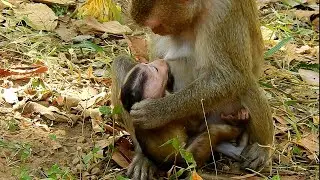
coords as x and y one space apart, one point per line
217 48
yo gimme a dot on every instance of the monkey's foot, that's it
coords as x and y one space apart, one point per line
141 168
254 156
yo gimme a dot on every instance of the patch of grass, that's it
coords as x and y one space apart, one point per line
55 172
13 125
187 156
59 10
21 151
53 137
24 174
92 157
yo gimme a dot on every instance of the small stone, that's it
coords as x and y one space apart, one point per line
75 161
226 168
93 177
81 140
79 167
95 171
85 174
42 153
79 148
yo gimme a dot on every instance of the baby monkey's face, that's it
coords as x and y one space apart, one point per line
157 78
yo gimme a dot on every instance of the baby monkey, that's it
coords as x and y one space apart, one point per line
154 80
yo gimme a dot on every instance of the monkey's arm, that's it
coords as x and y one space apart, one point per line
212 88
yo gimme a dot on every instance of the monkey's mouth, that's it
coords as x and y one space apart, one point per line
160 30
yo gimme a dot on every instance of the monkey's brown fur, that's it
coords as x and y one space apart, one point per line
221 47
134 89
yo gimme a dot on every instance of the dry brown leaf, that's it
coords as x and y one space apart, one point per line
310 143
113 27
120 159
315 23
262 3
138 47
65 33
38 16
23 72
52 113
88 92
88 103
281 120
303 14
60 2
267 34
291 52
104 142
310 77
304 50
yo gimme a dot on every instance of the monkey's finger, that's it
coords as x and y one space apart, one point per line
240 115
245 114
258 162
137 170
144 169
244 140
132 165
152 170
140 105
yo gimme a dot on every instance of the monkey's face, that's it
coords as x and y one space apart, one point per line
157 78
164 17
144 81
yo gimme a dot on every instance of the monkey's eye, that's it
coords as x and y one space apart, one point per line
155 68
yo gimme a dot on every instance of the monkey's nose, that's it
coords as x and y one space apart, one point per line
152 23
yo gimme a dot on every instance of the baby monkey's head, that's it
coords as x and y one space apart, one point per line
145 81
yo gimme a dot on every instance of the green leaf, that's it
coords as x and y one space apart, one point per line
106 110
53 171
176 144
122 178
89 45
26 152
53 137
87 158
117 110
276 48
24 174
187 156
265 84
35 83
296 150
290 102
276 177
178 174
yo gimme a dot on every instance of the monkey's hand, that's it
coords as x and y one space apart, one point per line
149 114
141 168
254 156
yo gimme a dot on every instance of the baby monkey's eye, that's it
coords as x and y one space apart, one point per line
155 68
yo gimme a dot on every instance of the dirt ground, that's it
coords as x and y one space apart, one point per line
55 113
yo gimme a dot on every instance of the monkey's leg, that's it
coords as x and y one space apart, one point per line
260 129
200 147
231 150
140 168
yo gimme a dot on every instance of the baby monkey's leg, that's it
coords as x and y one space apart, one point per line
202 145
